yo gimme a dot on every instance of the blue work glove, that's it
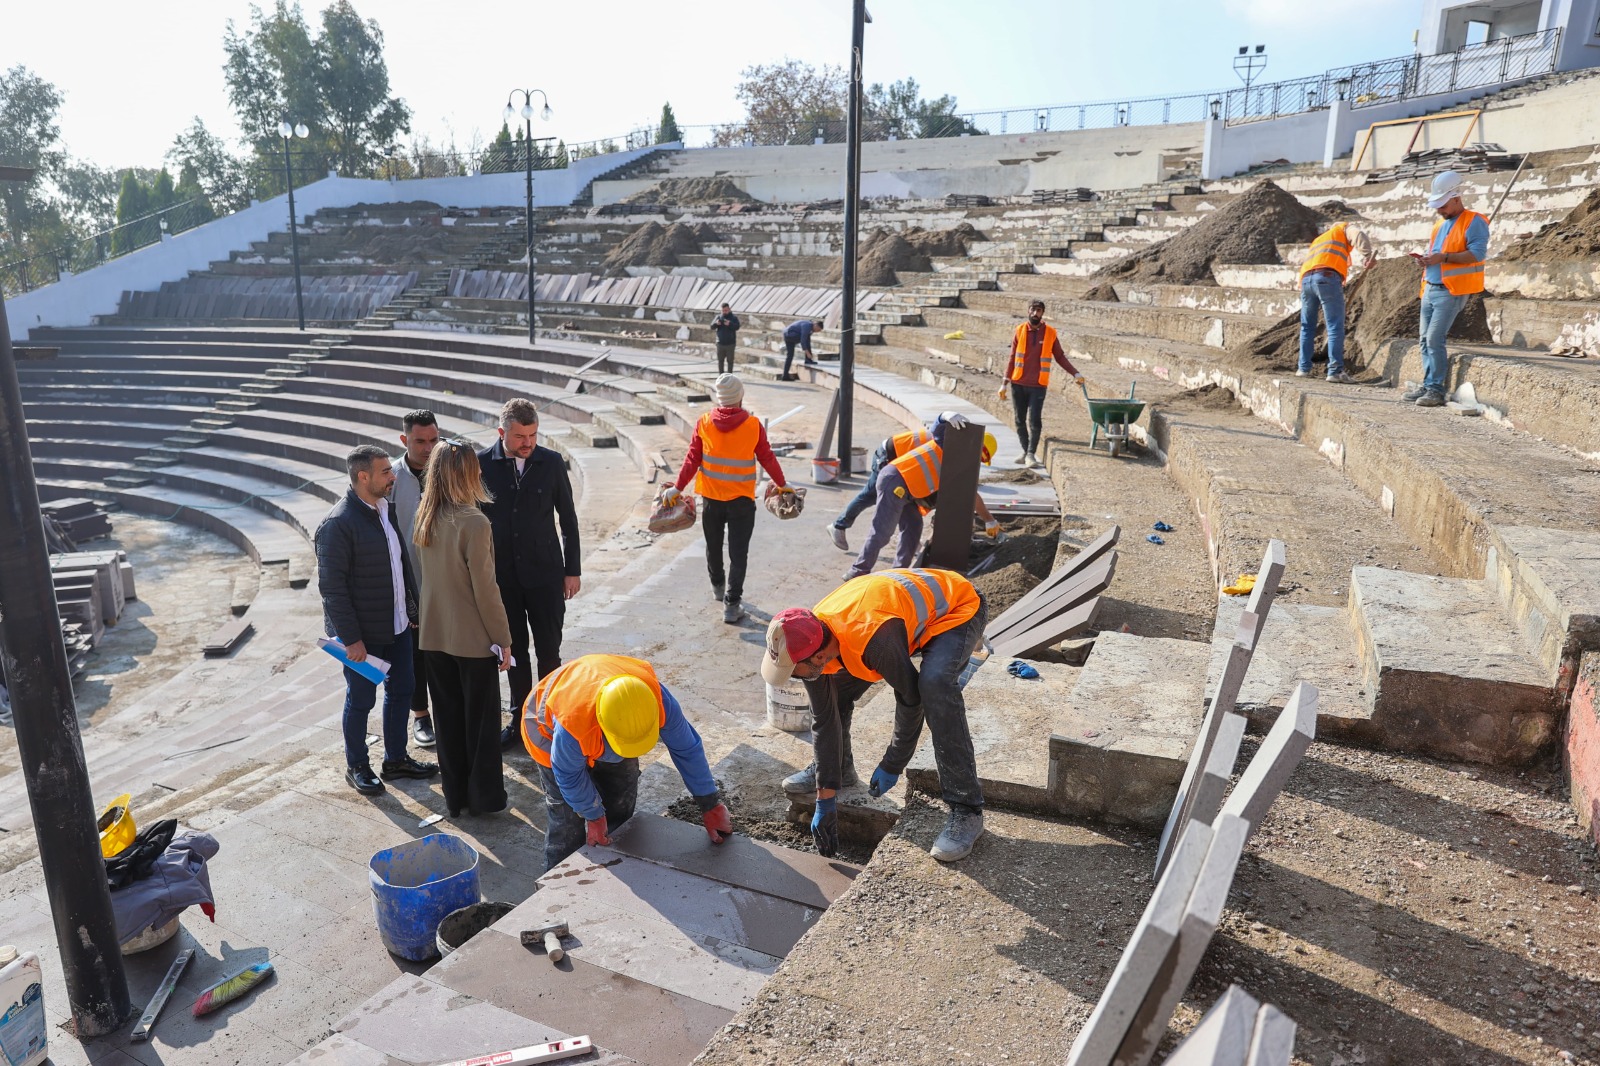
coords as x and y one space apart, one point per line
882 781
1162 527
1155 539
825 827
1018 668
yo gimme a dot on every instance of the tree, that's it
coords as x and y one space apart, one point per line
502 153
900 108
561 160
785 102
162 192
220 174
667 130
29 137
190 192
353 82
133 203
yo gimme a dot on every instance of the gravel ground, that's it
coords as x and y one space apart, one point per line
1401 911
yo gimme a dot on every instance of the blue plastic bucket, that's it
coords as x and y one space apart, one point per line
415 885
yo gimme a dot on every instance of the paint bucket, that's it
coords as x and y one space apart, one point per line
460 926
415 885
824 471
860 462
23 1030
788 708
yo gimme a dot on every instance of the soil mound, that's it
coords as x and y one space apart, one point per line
1380 305
1247 231
884 253
653 244
1577 236
1337 210
1104 292
691 192
1025 559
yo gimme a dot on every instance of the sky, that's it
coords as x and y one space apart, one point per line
135 75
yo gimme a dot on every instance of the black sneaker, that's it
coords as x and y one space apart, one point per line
422 731
718 592
363 780
1413 395
407 767
1431 399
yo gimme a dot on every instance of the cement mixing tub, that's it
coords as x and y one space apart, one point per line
415 885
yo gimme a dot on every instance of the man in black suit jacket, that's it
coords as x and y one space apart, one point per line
537 571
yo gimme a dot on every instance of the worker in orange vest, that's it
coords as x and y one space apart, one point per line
907 488
866 631
892 448
586 724
1451 271
1033 346
1323 277
728 443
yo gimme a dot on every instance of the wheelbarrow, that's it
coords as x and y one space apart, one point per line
1113 418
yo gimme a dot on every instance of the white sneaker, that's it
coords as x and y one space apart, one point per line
961 830
1033 461
1022 460
838 537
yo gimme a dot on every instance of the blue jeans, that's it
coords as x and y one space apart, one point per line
894 512
1439 311
863 499
1322 291
565 831
360 694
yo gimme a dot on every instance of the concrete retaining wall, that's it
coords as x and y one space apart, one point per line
1583 745
1559 117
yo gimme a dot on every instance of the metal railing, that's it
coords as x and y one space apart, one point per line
47 267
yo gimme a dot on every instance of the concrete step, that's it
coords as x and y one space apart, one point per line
237 405
1481 694
1553 324
1118 748
594 435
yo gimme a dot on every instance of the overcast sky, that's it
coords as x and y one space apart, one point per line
136 74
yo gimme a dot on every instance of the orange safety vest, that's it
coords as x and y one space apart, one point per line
727 459
929 602
1330 251
567 695
1019 342
1460 279
920 468
901 443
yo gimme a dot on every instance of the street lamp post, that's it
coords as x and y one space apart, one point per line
527 118
287 130
852 232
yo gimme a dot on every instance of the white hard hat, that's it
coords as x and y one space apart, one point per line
1446 187
727 391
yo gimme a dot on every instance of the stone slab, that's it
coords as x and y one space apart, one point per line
799 876
1152 940
1032 641
625 1015
1118 749
1583 745
1223 1036
1272 1044
1550 581
1275 760
1480 695
1212 783
1300 642
1090 580
1091 551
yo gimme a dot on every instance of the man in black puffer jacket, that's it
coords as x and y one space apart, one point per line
369 602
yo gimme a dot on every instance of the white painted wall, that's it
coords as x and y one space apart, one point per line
1443 25
74 301
1563 116
1237 147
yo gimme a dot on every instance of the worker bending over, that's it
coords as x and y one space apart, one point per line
865 631
892 448
586 724
907 488
1323 277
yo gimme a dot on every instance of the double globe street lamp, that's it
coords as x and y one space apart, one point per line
526 111
286 129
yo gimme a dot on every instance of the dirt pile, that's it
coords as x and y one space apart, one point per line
1380 305
653 244
1577 236
1025 558
884 253
691 192
1337 210
1104 292
1247 231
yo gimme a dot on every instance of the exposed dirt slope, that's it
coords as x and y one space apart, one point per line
653 244
885 253
1575 237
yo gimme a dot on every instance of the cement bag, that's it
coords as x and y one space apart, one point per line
787 504
679 516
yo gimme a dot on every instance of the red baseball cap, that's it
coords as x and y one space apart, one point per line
794 634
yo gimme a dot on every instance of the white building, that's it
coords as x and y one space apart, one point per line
1449 25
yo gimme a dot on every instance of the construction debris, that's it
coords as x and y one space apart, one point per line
962 199
79 519
1474 158
1063 196
653 244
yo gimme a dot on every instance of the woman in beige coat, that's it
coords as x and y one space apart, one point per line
460 620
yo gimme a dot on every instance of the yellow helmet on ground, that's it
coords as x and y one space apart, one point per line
629 715
990 446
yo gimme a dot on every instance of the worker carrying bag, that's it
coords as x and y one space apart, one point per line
673 517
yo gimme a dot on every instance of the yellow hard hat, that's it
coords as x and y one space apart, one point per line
990 446
629 715
116 826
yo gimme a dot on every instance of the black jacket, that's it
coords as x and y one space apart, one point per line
527 553
727 327
353 574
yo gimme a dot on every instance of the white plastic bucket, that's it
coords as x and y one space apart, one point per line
23 1032
825 471
860 461
788 708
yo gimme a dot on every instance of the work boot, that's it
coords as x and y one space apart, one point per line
837 533
961 830
1341 378
1431 399
718 592
422 731
804 783
1413 395
363 780
732 611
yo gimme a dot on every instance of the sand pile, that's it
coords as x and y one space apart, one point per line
653 244
1246 231
884 253
1577 236
1379 306
691 192
1105 292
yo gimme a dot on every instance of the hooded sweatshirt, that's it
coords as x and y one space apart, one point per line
725 419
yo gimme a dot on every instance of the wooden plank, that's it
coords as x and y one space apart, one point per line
1090 552
1089 582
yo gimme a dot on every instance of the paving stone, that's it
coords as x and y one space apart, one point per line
1275 760
1272 1044
628 1016
1223 1036
340 1050
1550 581
1212 783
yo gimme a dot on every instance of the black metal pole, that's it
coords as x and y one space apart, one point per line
852 225
294 238
48 744
533 320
